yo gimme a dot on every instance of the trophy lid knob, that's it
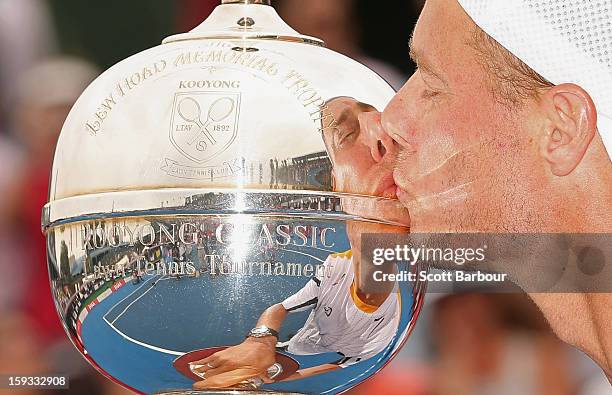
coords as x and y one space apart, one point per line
237 19
261 2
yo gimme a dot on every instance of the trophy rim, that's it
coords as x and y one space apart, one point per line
226 392
264 37
155 202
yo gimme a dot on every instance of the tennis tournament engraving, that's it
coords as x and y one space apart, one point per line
204 124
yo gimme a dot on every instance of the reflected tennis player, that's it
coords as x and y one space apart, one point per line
349 315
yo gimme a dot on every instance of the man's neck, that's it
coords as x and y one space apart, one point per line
578 205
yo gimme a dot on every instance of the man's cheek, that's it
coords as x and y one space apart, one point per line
440 137
344 177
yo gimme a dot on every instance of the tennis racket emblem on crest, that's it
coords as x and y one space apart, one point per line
204 124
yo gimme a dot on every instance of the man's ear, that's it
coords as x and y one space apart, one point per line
571 126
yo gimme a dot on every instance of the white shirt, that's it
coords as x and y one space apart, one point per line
339 322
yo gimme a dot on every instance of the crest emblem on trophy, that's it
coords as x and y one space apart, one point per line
204 124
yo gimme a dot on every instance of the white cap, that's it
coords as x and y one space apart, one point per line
565 41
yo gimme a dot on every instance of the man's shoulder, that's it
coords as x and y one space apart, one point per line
339 262
341 256
336 266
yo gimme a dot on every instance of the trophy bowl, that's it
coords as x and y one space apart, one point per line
207 202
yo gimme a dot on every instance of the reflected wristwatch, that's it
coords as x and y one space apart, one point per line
262 331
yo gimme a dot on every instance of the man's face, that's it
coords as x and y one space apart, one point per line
354 169
465 154
359 169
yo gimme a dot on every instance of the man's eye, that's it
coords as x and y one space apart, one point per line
347 131
345 136
428 91
428 94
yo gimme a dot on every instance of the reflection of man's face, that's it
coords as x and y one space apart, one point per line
354 169
466 157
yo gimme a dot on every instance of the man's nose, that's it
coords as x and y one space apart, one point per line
394 120
375 137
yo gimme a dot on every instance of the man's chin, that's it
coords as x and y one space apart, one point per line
389 211
446 212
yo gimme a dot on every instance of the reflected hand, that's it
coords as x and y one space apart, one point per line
236 364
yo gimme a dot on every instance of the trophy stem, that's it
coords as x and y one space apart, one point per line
262 2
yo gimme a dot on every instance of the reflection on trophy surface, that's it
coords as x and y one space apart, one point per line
207 203
345 318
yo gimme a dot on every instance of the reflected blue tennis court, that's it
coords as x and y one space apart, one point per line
126 329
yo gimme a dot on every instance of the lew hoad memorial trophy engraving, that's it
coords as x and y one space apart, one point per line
206 207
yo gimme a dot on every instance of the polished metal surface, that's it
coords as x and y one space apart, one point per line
262 2
213 182
233 20
306 204
227 392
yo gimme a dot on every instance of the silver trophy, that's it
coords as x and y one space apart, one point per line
206 208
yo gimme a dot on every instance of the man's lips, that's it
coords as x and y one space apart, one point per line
401 194
387 188
390 192
398 178
401 188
